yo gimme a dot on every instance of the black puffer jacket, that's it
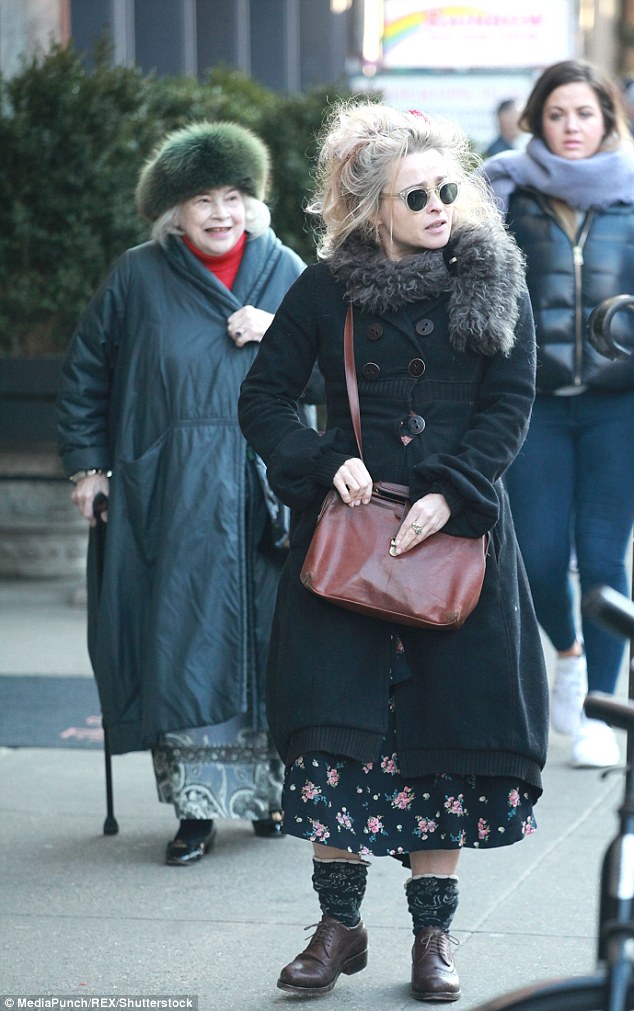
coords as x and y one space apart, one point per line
567 280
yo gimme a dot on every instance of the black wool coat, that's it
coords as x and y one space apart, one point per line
477 700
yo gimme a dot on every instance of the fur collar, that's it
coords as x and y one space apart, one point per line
481 268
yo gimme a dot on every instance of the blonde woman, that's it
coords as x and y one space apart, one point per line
399 741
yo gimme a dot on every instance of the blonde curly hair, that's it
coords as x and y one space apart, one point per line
361 146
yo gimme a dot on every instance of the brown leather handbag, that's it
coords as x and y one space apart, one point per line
437 584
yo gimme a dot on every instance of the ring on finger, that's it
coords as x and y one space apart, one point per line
416 527
238 333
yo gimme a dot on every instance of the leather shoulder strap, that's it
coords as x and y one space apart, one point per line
351 378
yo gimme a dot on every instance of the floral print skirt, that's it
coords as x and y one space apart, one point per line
373 810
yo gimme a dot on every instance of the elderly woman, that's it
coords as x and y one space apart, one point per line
401 741
179 628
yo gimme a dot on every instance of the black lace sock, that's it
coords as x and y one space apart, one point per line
194 829
432 900
340 885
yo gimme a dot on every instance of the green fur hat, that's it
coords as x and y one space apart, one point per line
201 157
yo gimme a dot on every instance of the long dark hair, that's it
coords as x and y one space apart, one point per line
571 72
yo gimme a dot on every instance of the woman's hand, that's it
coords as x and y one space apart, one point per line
248 324
85 492
353 482
428 515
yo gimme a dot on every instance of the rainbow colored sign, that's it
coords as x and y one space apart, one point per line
492 34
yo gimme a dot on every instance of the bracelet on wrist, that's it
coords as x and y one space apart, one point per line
79 474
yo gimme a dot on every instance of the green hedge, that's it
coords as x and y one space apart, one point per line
71 145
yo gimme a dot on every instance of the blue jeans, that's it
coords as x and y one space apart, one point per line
572 489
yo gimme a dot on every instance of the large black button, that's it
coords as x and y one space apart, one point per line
416 367
375 331
371 370
415 424
424 327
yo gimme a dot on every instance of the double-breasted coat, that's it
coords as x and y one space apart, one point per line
179 630
476 702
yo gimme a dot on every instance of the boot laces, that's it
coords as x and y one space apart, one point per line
438 942
324 933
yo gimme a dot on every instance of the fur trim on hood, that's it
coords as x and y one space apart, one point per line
199 157
481 267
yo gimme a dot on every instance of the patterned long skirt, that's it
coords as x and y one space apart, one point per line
223 771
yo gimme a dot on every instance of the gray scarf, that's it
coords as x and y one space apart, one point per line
604 179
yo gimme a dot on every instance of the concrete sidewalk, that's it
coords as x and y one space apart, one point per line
83 914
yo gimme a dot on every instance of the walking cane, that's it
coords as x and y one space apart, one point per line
110 825
99 506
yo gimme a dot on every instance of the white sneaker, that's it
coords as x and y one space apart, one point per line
595 746
569 691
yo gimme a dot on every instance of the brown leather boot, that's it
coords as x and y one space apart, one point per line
333 949
434 975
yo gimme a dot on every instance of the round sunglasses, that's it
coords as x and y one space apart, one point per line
416 198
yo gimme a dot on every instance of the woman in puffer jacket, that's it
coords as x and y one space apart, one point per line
569 202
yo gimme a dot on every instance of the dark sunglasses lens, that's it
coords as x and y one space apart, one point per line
448 192
416 200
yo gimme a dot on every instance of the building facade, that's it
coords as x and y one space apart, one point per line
286 45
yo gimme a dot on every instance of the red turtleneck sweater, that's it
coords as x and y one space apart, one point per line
225 267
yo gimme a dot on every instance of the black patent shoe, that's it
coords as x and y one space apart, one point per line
182 851
269 828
